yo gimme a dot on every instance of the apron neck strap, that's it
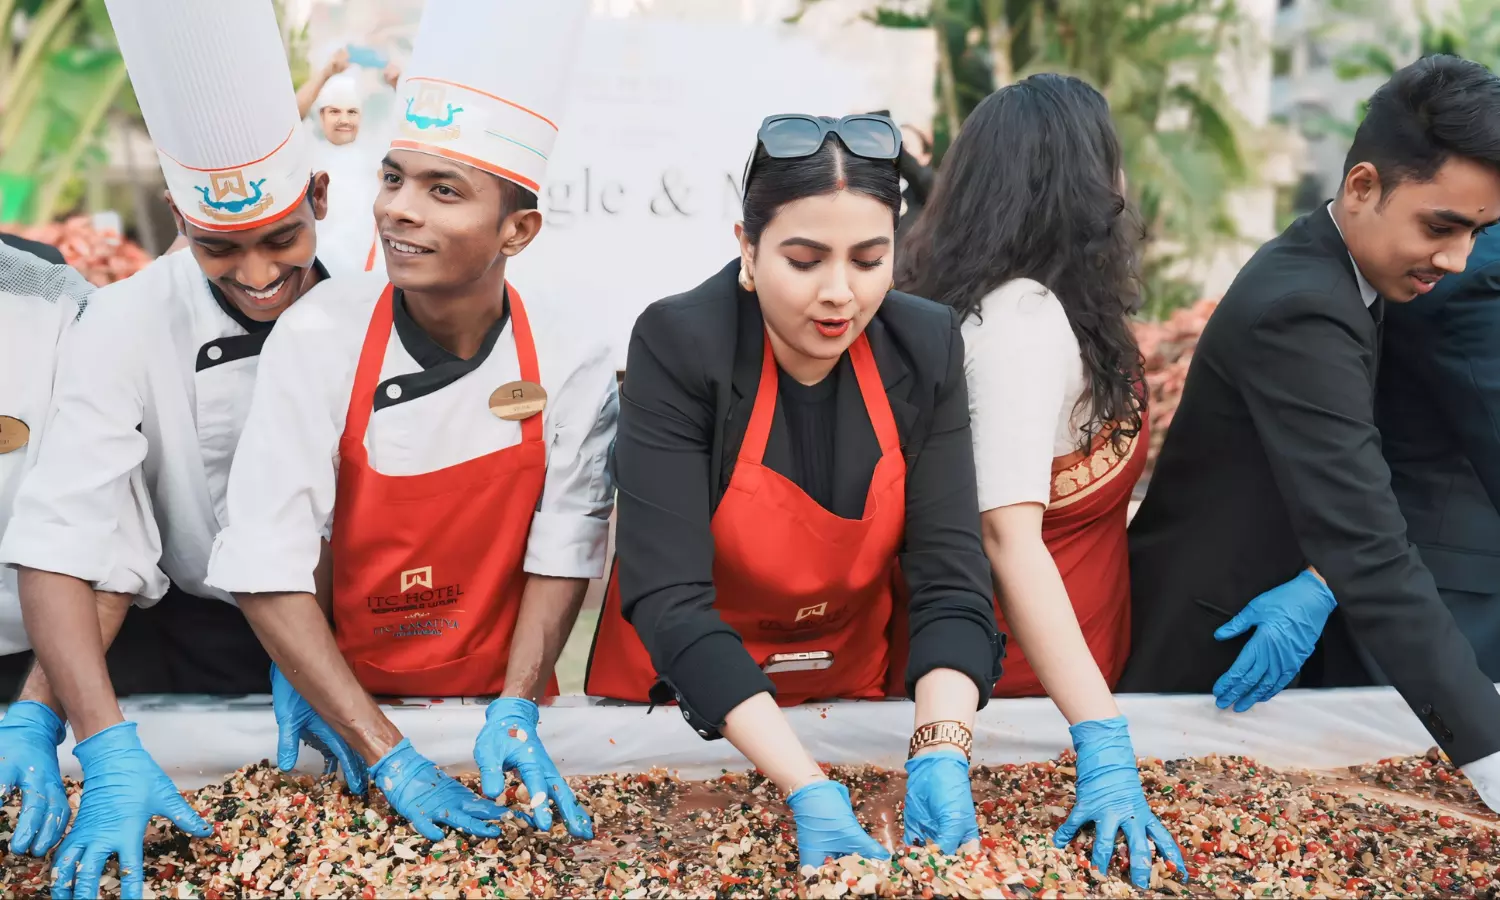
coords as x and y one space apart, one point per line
877 406
531 428
372 359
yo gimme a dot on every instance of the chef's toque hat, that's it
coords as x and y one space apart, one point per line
487 83
341 90
212 80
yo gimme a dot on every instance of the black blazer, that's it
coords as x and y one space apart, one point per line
1438 408
691 376
1273 464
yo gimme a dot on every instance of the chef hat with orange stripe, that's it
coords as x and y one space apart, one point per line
487 82
216 94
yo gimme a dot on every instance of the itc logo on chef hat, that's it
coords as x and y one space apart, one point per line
416 578
807 612
429 115
229 199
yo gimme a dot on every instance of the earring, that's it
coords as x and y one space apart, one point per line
747 281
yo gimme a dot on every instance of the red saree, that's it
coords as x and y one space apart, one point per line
1084 529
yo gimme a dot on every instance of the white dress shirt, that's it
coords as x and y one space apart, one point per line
158 376
427 418
36 320
1366 290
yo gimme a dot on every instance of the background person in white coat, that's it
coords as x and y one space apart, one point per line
350 154
158 375
40 301
453 437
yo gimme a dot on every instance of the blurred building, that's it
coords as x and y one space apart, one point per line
1308 93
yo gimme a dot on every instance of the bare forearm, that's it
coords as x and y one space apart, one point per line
296 635
307 95
1041 619
323 580
759 729
111 610
946 695
549 607
64 623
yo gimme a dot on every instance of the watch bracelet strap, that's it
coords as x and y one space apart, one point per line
946 731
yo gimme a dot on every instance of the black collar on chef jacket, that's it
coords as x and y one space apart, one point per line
229 349
439 367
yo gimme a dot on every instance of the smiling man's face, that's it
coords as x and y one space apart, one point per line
340 123
1408 237
262 271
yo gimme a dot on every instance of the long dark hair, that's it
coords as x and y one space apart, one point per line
773 182
1031 189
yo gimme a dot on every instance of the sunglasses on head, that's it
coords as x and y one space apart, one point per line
793 135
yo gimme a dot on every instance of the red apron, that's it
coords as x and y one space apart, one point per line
1084 530
789 576
427 569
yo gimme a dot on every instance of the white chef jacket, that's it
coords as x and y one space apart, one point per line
426 418
35 319
158 375
347 232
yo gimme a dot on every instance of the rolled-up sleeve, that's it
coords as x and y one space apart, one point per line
66 512
947 573
283 482
134 566
570 530
664 539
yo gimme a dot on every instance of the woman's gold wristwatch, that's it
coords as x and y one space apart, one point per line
944 732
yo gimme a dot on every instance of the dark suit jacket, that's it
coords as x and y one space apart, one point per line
691 375
43 251
1274 464
1438 407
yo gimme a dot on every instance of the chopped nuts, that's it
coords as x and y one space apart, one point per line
1399 827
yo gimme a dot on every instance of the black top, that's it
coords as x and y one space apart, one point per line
810 413
42 251
692 372
1273 464
1438 408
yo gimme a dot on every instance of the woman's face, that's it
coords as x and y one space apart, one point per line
821 270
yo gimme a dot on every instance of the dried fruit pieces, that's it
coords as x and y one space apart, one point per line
1246 831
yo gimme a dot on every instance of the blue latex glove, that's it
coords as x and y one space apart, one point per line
29 736
427 798
1288 619
509 740
297 722
1110 796
123 788
939 802
826 826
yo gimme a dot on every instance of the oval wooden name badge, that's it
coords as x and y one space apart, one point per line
518 400
14 434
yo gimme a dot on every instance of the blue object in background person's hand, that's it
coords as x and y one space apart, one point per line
826 826
1288 620
1110 796
939 801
